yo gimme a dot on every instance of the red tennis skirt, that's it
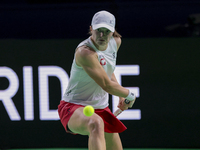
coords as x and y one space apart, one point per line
111 123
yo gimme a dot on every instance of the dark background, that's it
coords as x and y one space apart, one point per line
38 19
160 36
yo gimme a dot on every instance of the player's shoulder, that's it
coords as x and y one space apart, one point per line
118 41
85 51
85 55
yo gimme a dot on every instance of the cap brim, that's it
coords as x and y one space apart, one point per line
94 27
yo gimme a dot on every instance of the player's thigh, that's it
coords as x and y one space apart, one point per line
113 141
79 123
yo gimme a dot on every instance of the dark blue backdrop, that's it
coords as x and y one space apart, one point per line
65 19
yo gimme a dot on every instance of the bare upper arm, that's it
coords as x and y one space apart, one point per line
88 60
118 41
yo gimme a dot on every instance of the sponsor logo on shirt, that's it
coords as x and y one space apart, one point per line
102 60
69 92
114 55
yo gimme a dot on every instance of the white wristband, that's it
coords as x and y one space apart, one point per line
131 96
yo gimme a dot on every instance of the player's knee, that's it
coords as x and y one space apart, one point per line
96 125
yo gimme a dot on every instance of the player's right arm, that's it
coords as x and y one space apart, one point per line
87 58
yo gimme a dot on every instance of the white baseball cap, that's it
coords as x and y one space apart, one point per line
103 19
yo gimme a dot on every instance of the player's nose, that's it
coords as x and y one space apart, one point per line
101 34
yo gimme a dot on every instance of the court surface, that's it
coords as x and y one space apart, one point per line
87 149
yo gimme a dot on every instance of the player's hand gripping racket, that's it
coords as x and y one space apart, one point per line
119 111
129 99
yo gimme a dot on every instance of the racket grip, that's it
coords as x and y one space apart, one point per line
119 111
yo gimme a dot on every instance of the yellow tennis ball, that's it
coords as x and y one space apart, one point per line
88 110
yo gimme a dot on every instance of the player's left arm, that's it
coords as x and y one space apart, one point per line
118 41
121 104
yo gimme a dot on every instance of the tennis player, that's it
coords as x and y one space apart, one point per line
91 80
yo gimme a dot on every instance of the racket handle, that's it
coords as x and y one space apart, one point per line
119 111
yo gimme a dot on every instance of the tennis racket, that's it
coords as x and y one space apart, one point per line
119 111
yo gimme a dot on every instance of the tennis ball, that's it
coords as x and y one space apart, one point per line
88 110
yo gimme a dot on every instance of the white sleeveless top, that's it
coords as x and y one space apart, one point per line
82 89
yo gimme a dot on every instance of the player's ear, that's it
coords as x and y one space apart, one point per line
91 29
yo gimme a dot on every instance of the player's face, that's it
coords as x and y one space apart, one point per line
101 36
